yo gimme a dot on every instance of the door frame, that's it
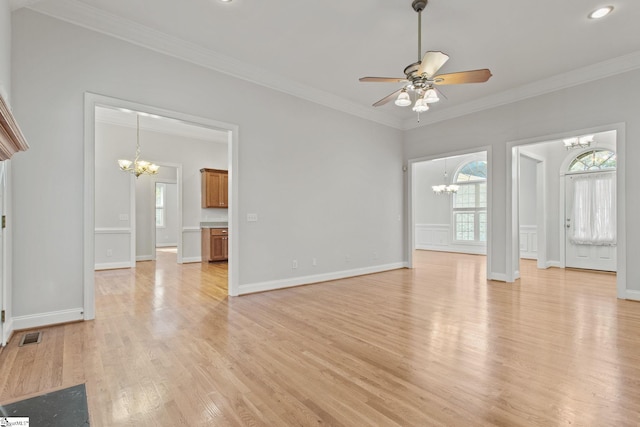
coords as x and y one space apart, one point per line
91 101
178 183
512 240
6 327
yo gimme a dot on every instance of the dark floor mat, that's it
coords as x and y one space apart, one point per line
67 407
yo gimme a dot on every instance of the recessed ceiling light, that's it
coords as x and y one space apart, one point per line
225 1
601 12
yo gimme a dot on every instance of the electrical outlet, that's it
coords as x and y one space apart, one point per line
124 217
294 264
252 217
347 258
314 262
109 252
375 255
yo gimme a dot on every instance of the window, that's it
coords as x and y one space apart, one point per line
593 160
470 203
160 204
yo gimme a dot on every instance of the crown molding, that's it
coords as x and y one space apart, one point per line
78 13
590 73
17 4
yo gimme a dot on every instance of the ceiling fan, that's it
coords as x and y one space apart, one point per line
421 78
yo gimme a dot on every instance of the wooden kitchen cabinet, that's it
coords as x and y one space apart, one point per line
215 244
215 188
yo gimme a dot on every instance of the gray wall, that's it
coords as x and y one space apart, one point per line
324 184
5 49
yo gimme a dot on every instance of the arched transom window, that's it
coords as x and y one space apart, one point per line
470 203
594 160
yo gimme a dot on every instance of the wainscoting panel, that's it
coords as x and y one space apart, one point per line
191 244
529 241
437 237
112 248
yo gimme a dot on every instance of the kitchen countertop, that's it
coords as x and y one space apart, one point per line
214 225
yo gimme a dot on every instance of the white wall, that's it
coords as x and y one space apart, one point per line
527 191
5 50
527 208
553 153
555 113
324 184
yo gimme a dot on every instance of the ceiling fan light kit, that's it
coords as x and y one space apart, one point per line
421 77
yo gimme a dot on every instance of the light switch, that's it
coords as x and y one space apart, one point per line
124 217
252 217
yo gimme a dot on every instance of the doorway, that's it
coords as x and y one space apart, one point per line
124 218
165 215
554 209
450 219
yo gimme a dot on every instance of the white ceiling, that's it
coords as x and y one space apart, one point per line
319 49
165 125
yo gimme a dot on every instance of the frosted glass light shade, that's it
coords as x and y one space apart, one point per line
124 164
431 96
403 99
421 105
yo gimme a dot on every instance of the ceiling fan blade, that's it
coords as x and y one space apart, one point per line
432 62
384 79
474 76
388 98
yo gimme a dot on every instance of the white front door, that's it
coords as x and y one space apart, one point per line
587 256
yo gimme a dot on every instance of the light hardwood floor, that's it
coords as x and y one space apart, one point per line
436 345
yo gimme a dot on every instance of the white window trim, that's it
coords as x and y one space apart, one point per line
475 210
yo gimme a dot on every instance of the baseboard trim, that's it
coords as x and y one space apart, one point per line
317 278
632 295
191 259
498 277
144 258
47 319
470 249
166 245
112 266
555 264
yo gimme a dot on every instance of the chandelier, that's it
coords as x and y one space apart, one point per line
138 167
577 142
445 188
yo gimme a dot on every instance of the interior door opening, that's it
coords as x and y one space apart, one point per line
449 204
545 176
168 138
